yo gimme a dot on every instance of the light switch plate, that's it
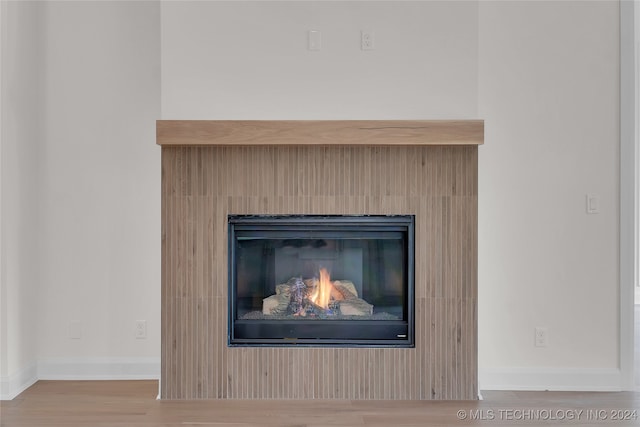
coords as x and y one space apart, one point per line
314 40
593 203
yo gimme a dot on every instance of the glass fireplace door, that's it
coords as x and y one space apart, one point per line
321 280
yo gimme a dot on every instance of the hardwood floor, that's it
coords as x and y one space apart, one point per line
134 404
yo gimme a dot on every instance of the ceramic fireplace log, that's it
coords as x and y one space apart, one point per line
344 297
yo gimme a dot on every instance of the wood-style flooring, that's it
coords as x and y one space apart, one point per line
134 404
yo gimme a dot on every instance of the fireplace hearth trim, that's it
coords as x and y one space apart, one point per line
319 132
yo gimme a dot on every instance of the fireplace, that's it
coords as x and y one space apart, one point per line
222 175
312 280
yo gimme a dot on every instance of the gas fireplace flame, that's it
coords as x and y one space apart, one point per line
322 294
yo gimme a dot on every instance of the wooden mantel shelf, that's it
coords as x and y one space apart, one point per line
319 132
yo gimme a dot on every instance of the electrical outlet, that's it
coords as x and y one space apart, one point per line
141 329
541 337
367 40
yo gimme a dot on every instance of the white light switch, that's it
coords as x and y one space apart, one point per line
593 204
314 40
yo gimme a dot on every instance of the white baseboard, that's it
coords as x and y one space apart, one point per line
99 368
553 379
556 379
14 384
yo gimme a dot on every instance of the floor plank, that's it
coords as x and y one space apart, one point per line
134 404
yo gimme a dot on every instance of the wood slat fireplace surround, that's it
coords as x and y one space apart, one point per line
214 168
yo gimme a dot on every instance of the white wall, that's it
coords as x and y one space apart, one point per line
80 193
20 145
101 189
226 60
544 76
549 79
629 183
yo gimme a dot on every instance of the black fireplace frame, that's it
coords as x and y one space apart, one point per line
319 333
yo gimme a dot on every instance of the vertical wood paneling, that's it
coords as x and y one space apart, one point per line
202 185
